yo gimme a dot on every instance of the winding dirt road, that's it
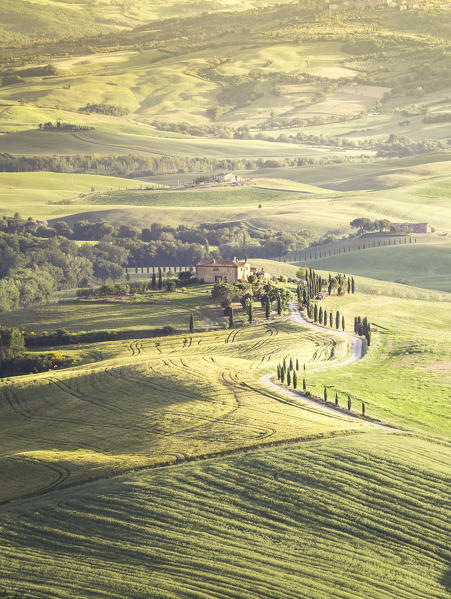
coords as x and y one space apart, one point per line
356 354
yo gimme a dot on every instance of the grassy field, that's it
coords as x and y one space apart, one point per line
422 198
112 140
343 518
149 402
420 265
411 346
47 195
157 310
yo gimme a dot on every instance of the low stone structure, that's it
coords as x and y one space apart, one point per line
413 227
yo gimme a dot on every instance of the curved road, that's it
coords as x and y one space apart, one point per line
357 343
356 354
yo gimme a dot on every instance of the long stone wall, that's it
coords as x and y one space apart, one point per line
149 270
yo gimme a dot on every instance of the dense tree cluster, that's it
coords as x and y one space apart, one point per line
14 360
33 267
163 245
365 225
111 109
246 292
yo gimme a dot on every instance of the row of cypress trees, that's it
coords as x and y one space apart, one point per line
286 372
330 319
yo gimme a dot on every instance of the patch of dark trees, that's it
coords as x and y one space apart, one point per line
110 109
15 361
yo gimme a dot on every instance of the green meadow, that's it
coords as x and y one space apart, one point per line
342 517
422 197
420 265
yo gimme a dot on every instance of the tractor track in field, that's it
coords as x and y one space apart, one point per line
181 459
83 397
234 384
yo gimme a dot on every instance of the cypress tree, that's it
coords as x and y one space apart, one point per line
251 311
304 385
331 319
343 323
363 409
282 374
325 318
337 319
352 285
320 315
349 285
278 372
160 280
349 403
325 393
291 363
154 281
230 317
336 398
315 313
297 364
364 325
295 380
288 378
191 323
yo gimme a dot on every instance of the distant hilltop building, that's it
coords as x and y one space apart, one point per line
231 271
228 178
413 227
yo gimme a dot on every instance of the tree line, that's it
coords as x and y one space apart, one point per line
136 165
246 293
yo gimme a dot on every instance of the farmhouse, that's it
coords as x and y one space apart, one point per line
413 227
231 271
227 178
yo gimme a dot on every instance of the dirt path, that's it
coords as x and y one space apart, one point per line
356 354
357 344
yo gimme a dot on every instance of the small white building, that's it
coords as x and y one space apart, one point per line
228 178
